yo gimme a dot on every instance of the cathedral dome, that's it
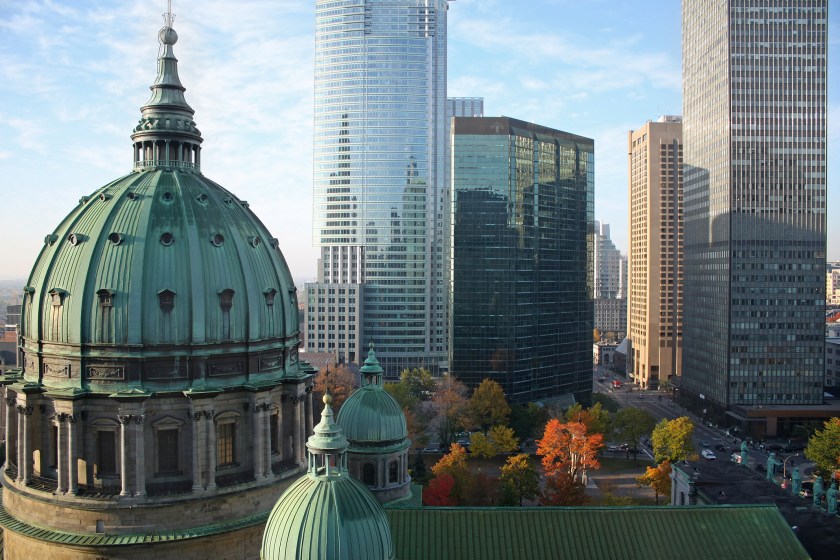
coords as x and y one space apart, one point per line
161 279
327 513
371 416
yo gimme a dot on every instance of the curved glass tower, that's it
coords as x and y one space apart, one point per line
380 145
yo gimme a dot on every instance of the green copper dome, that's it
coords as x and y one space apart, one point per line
161 279
372 416
327 514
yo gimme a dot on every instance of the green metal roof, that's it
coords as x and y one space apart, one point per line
687 533
371 414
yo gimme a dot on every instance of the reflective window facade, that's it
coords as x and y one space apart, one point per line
754 95
521 268
380 145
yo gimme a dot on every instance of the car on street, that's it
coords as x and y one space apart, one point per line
807 490
602 379
708 454
616 384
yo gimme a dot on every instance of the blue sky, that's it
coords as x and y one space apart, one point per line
74 74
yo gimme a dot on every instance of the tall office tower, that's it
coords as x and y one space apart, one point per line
380 147
610 306
521 294
754 102
656 249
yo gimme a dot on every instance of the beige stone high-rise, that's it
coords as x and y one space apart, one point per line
654 305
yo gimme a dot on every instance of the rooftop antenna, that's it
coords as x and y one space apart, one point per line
168 16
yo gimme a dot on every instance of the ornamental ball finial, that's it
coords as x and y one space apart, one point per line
168 36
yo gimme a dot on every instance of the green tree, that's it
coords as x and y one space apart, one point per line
520 476
481 446
595 418
607 402
419 381
488 406
671 440
401 394
658 478
824 448
632 424
503 439
527 420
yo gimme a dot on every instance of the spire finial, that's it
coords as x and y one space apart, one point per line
167 35
168 16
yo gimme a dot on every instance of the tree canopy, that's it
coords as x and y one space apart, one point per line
824 448
595 418
341 381
658 478
521 477
671 440
566 448
631 424
488 406
454 464
449 402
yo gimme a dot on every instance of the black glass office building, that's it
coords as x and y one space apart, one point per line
522 203
754 132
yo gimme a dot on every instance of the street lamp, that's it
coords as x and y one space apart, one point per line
784 469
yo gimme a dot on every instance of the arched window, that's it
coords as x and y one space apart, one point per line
393 472
368 474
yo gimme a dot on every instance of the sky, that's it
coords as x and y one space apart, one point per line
74 74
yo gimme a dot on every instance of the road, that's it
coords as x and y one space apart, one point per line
661 406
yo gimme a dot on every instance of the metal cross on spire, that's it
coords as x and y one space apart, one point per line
168 16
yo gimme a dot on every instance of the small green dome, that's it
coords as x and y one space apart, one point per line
330 518
327 514
371 414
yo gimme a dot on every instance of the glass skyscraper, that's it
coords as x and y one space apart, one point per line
754 102
379 180
522 206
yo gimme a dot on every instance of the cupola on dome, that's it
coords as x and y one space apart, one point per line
163 271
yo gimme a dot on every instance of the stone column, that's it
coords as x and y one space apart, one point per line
61 453
267 432
197 446
124 419
309 427
259 441
24 438
139 456
211 449
19 449
298 427
72 454
11 429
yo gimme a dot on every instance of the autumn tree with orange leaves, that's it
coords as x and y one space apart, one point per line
567 448
341 382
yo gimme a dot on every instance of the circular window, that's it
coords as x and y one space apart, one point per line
132 196
115 238
166 239
202 198
73 239
217 239
167 196
255 241
104 197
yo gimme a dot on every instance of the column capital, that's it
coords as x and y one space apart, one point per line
139 418
124 419
25 410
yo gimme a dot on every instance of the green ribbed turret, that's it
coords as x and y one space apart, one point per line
327 514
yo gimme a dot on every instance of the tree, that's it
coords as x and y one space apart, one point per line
481 446
416 429
454 464
415 385
418 474
671 440
824 448
341 381
449 402
607 402
596 335
566 448
631 424
439 491
401 394
483 490
527 420
488 406
658 478
500 439
521 477
595 418
563 490
503 439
